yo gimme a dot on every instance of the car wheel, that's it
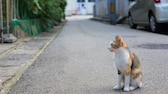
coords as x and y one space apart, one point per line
131 22
154 26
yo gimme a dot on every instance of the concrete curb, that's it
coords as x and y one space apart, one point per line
6 86
101 19
20 42
106 20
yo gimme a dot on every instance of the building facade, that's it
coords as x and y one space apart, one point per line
80 7
70 8
102 8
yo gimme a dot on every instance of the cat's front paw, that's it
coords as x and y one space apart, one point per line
117 87
126 89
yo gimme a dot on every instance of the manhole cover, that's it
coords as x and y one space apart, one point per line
154 46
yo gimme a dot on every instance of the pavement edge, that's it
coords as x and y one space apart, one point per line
8 84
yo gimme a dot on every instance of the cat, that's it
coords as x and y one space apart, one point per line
127 64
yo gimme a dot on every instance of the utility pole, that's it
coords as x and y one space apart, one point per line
7 15
8 37
112 6
1 21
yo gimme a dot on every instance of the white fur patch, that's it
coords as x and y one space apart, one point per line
118 86
121 58
127 83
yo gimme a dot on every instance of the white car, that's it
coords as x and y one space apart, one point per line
152 13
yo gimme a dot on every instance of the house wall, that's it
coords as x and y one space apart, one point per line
74 7
89 6
102 8
70 8
122 7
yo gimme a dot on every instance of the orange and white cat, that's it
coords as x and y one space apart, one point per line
127 64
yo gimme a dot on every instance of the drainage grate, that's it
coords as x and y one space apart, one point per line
153 46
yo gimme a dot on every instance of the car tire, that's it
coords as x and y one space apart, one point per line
131 22
154 26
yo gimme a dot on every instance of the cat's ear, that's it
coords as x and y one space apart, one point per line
118 38
120 41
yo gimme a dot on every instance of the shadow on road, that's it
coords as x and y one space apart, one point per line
144 28
164 29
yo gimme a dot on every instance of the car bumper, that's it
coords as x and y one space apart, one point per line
161 13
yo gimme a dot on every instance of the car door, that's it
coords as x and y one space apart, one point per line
137 11
143 13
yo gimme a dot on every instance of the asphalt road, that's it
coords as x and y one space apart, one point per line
78 61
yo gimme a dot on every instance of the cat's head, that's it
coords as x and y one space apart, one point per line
117 43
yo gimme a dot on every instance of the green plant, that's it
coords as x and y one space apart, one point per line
48 11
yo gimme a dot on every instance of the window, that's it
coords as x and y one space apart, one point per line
80 0
91 0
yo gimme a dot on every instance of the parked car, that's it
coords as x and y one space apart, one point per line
152 13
